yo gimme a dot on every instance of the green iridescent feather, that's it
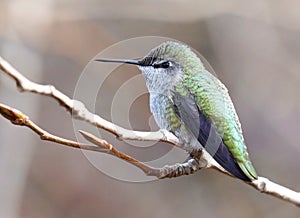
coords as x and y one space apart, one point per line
214 101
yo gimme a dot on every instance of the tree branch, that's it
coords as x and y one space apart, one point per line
79 111
16 117
266 186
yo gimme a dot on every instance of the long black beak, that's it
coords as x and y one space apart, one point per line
135 62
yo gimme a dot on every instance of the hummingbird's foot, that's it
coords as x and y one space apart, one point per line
179 169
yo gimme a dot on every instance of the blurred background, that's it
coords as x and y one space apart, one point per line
253 47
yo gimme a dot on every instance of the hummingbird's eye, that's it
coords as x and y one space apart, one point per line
165 65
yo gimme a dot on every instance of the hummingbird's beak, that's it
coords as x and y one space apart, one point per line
135 62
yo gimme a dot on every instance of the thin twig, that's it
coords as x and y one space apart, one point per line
16 117
78 109
100 142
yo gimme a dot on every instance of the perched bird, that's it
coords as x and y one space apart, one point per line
189 101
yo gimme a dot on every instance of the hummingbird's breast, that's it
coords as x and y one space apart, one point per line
162 109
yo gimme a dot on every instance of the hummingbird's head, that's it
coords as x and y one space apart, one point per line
171 56
165 65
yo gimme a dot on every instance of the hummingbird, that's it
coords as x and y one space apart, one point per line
190 102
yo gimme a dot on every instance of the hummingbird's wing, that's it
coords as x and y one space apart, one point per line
203 129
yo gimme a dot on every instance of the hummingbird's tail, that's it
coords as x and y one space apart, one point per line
228 162
248 169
